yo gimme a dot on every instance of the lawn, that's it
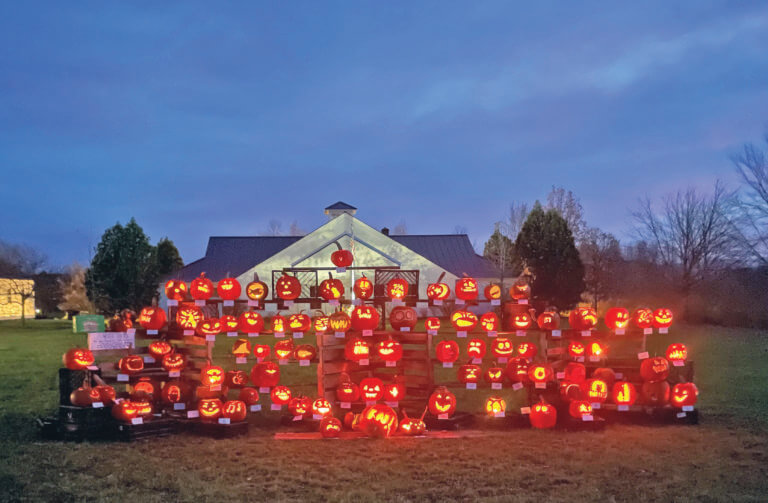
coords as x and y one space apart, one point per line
722 459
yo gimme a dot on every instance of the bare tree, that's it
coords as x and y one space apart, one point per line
518 212
275 228
569 207
600 254
751 210
295 230
20 290
401 228
459 229
499 250
73 291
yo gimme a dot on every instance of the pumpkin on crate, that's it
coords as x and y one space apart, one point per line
143 406
677 352
152 318
228 289
339 322
357 349
655 393
397 289
543 415
125 411
201 288
78 359
469 373
522 320
234 410
549 320
662 317
284 349
517 369
363 288
654 369
402 317
527 350
684 394
210 326
378 421
106 393
278 323
347 392
256 290
205 391
364 317
371 389
494 375
624 393
520 290
578 409
175 289
330 427
331 288
237 379
495 405
158 349
174 392
212 375
299 322
131 364
299 405
467 289
288 287
265 374
320 323
502 347
442 402
617 318
148 386
188 316
438 290
209 409
447 351
84 397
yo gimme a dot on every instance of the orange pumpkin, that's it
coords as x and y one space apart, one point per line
201 288
543 415
364 318
684 394
256 290
432 323
467 289
357 349
330 427
378 421
288 287
492 292
447 351
476 348
78 359
363 288
175 289
617 318
549 320
234 410
228 289
402 317
442 402
152 318
188 316
438 290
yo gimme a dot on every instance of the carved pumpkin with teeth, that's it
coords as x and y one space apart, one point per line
201 288
212 375
476 348
365 318
211 326
339 322
321 407
299 322
363 288
265 375
494 375
397 288
125 411
432 323
684 394
250 322
284 349
492 292
527 350
617 318
389 350
582 318
677 352
489 322
549 320
305 352
173 362
175 289
288 287
299 405
463 320
442 402
78 359
371 389
209 409
280 395
522 320
228 289
447 351
520 290
347 392
438 290
256 290
402 317
357 349
467 289
152 318
502 347
188 316
662 317
320 323
643 318
330 427
469 373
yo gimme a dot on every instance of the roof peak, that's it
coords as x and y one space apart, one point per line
340 205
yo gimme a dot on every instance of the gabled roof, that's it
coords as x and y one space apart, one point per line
452 252
340 205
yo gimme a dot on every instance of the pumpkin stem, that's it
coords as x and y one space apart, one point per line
440 278
338 245
255 276
330 276
424 413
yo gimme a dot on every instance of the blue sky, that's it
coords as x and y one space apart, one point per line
200 120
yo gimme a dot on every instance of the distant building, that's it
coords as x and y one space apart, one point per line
11 292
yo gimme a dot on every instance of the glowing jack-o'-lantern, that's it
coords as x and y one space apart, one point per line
299 405
576 349
572 390
241 348
188 316
125 411
397 289
662 317
331 288
174 392
489 322
442 402
394 392
106 393
248 395
201 288
655 393
527 350
284 349
228 289
278 323
520 289
229 323
378 421
540 373
237 378
467 289
643 318
78 359
211 375
84 397
320 323
549 320
280 395
371 389
210 326
299 322
261 351
287 287
209 409
624 393
438 290
305 352
597 349
234 410
502 347
432 323
517 369
654 369
265 375
412 426
330 427
522 320
152 318
342 257
131 364
597 390
321 407
469 373
684 394
495 405
402 317
617 318
492 292
175 289
543 415
363 288
463 320
389 350
357 349
173 362
339 322
494 375
578 409
365 318
256 290
575 372
347 392
447 351
476 348
148 386
677 352
582 318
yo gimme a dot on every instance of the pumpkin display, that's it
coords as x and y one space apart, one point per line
305 352
158 349
624 393
476 348
174 362
502 347
582 318
320 323
520 289
125 411
432 323
152 318
662 317
331 288
467 289
299 322
378 421
389 350
597 349
494 375
517 369
228 289
209 409
438 290
248 395
394 392
210 326
131 364
576 349
284 349
330 427
280 395
442 402
357 349
84 397
396 289
605 374
347 392
549 320
174 392
106 393
492 292
489 322
278 323
527 350
287 287
175 289
447 351
522 320
371 389
597 390
469 373
575 372
578 409
677 352
342 258
463 320
365 317
188 316
201 288
229 323
495 406
643 318
261 351
234 410
78 359
212 375
402 317
237 379
256 290
363 288
543 415
684 394
617 318
655 393
339 322
265 374
654 369
241 348
540 373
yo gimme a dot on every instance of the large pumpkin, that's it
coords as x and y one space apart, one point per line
152 318
209 409
463 321
467 289
442 402
365 317
402 317
201 288
265 374
287 287
78 359
228 289
378 421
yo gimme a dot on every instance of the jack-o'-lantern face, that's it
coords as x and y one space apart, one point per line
174 362
299 405
235 410
188 316
541 372
330 427
654 369
357 349
549 320
582 318
78 359
152 318
228 323
279 323
466 289
250 322
299 322
677 352
305 352
363 288
175 289
489 322
442 401
684 394
347 392
432 323
412 426
494 375
502 347
389 351
143 406
339 322
211 326
495 405
492 292
624 393
211 375
284 349
237 378
527 350
371 389
520 290
476 348
365 318
463 320
131 364
261 351
598 349
378 421
394 392
172 392
146 386
522 321
331 289
576 349
321 407
579 408
469 373
662 318
320 323
617 317
201 288
228 289
280 395
397 288
438 291
402 317
543 415
597 390
643 318
447 351
209 408
125 411
256 290
517 369
288 287
265 374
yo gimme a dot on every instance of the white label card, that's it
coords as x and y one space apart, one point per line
317 417
97 405
647 331
364 362
192 414
149 359
151 332
240 360
303 363
620 331
642 356
174 373
298 335
541 385
253 334
557 333
471 385
253 303
520 333
678 363
587 417
460 302
392 404
525 410
594 358
502 359
664 330
517 386
391 364
345 405
367 333
279 335
210 338
339 335
276 406
461 333
492 334
172 302
298 418
231 334
687 408
264 389
495 302
137 420
586 333
432 332
223 420
368 403
199 302
477 361
179 406
229 303
437 302
496 385
522 301
681 415
405 329
189 332
282 362
447 365
596 405
122 378
623 408
499 414
256 407
442 416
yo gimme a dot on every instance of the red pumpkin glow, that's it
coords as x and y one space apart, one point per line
371 389
305 352
654 369
234 410
241 348
320 323
655 393
389 350
278 323
299 322
265 375
438 290
237 378
492 292
684 394
147 386
357 349
397 288
463 320
494 375
249 395
378 421
442 402
299 405
476 348
624 393
201 288
342 258
522 321
402 317
175 289
330 427
662 317
125 411
495 405
152 318
643 318
543 415
211 326
412 426
284 349
321 407
188 316
617 318
677 352
576 349
527 350
174 392
489 322
365 318
228 289
447 351
209 409
131 364
432 323
78 359
467 289
582 318
394 392
339 322
605 374
549 320
575 372
520 290
212 375
540 373
502 347
597 390
106 393
363 288
597 349
572 390
517 369
261 351
84 397
579 408
469 373
280 395
256 290
288 287
229 323
347 392
331 288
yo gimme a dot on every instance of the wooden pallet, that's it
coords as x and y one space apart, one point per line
150 428
216 430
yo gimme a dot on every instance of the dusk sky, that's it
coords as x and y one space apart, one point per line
201 119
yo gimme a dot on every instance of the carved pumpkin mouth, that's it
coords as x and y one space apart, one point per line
442 407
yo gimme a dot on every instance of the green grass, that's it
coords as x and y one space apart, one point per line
722 459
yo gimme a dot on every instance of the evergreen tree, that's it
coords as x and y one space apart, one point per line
546 246
168 257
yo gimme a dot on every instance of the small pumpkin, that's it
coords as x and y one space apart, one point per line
78 359
131 364
549 320
280 395
624 393
617 318
371 389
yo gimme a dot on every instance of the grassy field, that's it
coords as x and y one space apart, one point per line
722 459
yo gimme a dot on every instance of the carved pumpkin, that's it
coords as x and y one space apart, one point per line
365 318
495 405
209 409
347 392
520 289
234 410
662 317
339 322
342 258
330 427
212 375
371 389
572 390
655 393
494 375
305 352
188 316
261 351
158 349
389 350
174 392
605 374
299 322
284 349
78 359
476 348
237 378
643 318
378 421
241 348
280 395
288 287
502 347
575 372
148 386
597 390
549 320
125 411
265 374
256 290
576 349
579 408
582 318
250 322
331 288
211 326
522 320
228 289
397 289
597 349
175 289
174 362
278 323
131 364
677 352
684 394
402 317
248 395
624 393
412 426
447 351
527 350
201 288
394 392
106 393
654 369
517 369
467 289
489 322
492 292
540 373
463 320
357 349
432 323
543 415
84 397
229 323
438 290
617 318
442 402
152 318
469 373
321 407
363 288
320 323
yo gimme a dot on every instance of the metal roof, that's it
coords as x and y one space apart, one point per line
340 205
452 252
